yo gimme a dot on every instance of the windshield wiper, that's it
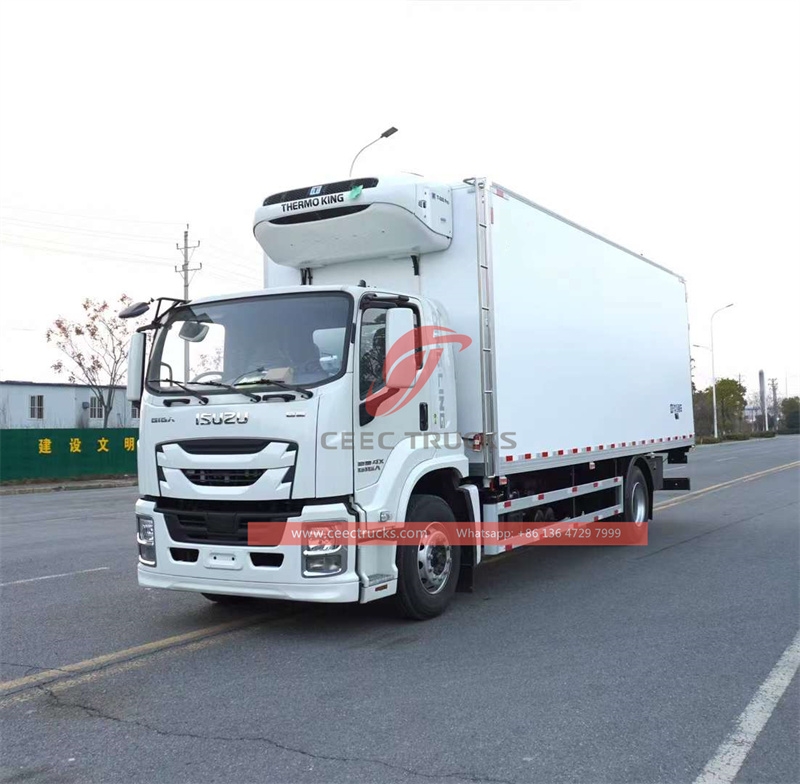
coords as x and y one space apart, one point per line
307 393
251 395
202 398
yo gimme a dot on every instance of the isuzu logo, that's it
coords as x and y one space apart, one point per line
226 418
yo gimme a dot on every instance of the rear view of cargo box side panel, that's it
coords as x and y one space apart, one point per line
591 341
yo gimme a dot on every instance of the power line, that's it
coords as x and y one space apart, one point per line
235 265
227 251
89 248
91 217
97 254
74 229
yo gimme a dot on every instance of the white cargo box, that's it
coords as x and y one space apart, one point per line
580 347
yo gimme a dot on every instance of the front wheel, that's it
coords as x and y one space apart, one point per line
427 572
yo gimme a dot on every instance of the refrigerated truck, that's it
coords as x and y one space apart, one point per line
548 380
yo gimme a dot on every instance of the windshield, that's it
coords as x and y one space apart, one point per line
295 339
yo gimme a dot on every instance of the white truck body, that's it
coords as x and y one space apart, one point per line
586 344
574 358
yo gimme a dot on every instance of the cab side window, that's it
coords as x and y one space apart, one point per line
372 350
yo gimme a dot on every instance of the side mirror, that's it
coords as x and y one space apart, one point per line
401 364
134 310
193 331
136 366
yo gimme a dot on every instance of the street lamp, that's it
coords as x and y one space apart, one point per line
385 135
713 373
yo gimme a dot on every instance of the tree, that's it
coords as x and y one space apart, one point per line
730 408
703 412
730 404
790 410
96 348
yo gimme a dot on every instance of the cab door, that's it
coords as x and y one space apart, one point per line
401 418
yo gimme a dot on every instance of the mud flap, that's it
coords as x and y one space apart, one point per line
377 572
470 556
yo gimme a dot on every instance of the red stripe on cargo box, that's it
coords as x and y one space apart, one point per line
509 458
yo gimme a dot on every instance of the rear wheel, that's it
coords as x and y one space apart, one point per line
428 571
637 497
637 504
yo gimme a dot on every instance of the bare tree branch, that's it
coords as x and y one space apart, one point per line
96 349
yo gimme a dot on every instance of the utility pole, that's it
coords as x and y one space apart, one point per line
713 371
185 270
773 382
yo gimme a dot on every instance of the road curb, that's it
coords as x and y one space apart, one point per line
102 485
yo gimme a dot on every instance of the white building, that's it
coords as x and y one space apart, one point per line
45 405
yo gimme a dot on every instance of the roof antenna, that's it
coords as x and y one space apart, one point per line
362 284
385 135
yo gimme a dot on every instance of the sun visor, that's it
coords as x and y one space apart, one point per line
355 219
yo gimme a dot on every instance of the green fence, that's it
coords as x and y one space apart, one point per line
66 453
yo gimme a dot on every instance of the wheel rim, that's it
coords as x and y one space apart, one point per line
434 561
639 503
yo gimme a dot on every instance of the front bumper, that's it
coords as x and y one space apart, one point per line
228 569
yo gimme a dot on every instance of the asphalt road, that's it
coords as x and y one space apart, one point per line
577 664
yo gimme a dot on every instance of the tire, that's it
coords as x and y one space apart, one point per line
223 598
637 504
637 497
427 573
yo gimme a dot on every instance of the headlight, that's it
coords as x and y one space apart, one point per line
146 538
324 560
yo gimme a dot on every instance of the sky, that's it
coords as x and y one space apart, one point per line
672 128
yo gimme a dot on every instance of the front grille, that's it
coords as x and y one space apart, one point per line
223 446
220 522
195 521
223 477
331 187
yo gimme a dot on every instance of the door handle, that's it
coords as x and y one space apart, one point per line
423 417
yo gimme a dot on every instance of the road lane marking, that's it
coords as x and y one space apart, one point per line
713 488
129 653
57 687
725 459
53 576
726 763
